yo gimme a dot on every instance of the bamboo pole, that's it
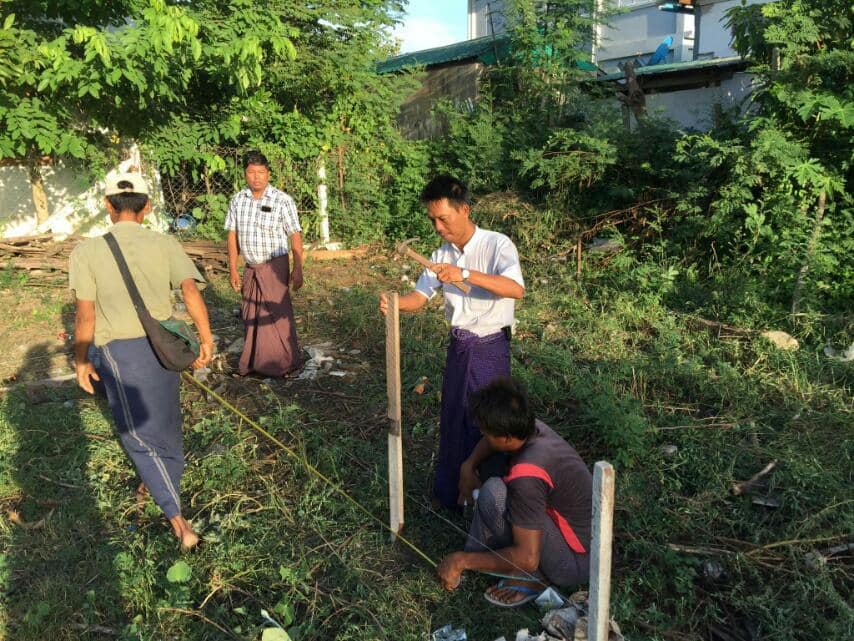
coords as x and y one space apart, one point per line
600 557
395 444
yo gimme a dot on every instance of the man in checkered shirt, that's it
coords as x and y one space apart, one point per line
263 225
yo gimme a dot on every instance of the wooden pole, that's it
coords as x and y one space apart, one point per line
395 444
322 201
578 248
600 557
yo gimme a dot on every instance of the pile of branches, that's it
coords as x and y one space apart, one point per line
40 256
46 257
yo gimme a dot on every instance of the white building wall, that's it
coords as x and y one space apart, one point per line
715 36
636 31
695 108
75 205
17 212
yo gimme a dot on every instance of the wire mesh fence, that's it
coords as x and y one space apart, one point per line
202 196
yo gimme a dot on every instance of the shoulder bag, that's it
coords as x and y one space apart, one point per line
173 341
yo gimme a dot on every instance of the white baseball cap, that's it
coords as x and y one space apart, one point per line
137 184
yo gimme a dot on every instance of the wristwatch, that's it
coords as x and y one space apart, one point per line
466 274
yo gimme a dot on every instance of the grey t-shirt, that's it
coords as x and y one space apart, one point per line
571 494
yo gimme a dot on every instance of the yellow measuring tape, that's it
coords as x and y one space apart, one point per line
307 465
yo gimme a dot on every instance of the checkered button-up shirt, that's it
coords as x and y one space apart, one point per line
262 225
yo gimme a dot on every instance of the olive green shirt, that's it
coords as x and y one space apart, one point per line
157 263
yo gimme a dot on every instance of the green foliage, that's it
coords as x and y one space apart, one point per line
10 277
548 40
200 82
179 572
571 161
211 211
732 215
769 175
72 86
326 104
473 145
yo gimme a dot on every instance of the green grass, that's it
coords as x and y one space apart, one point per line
611 368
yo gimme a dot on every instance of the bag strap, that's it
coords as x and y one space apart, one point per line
135 297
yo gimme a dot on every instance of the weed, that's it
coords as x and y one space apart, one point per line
11 278
614 371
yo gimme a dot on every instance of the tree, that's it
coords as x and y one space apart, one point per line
797 146
82 75
327 104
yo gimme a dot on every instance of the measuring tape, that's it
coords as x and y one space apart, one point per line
308 466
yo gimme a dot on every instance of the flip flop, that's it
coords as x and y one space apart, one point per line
530 595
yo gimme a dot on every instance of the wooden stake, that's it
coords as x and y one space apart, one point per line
578 246
395 443
600 557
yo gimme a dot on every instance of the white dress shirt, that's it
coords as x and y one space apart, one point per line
480 312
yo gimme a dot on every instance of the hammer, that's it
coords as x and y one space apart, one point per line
404 250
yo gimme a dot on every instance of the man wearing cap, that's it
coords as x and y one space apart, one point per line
481 320
263 225
143 395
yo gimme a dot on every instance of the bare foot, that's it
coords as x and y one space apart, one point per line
184 532
513 592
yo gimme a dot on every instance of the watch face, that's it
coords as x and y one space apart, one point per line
466 274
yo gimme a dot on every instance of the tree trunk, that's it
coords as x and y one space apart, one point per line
805 266
39 193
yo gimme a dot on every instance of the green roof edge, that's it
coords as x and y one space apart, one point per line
676 67
484 49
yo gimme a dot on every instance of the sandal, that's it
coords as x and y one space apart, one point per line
530 595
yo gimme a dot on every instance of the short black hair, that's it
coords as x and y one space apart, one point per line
128 200
445 186
255 157
502 408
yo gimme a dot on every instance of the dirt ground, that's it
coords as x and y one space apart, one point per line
37 320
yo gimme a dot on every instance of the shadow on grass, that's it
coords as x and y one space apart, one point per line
58 578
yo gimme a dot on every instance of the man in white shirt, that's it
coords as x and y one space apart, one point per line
481 320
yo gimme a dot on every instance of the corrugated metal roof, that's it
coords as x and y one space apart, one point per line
483 49
487 50
681 67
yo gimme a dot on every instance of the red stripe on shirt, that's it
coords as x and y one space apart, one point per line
529 470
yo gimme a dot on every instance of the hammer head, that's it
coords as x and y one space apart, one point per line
403 246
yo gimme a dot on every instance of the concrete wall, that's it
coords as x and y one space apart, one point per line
715 37
75 204
696 108
457 82
17 212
